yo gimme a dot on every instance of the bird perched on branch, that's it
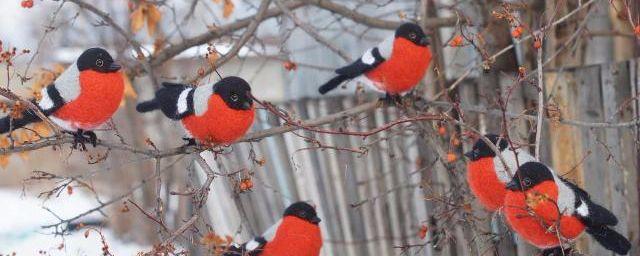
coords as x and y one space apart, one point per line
395 66
296 234
545 209
82 98
211 114
486 174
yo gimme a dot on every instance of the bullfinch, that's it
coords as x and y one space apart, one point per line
541 207
486 174
296 234
394 67
211 114
82 98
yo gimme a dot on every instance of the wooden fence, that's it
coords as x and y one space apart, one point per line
373 194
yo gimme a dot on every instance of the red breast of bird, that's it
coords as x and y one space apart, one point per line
485 184
219 124
99 98
404 69
534 215
295 237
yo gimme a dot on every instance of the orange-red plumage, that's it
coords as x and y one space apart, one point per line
484 183
99 98
534 215
295 237
406 67
219 124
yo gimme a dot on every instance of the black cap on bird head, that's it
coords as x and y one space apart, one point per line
413 33
529 175
481 149
235 92
97 59
303 211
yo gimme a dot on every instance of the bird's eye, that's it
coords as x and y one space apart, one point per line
526 182
412 36
234 97
99 62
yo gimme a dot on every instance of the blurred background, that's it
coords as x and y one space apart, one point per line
398 192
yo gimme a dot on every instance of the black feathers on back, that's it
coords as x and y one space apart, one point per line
598 220
610 239
352 70
29 116
166 100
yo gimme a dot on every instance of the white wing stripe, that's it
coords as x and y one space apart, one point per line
46 102
583 209
252 245
367 57
182 101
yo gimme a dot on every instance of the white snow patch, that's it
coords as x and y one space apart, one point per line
21 218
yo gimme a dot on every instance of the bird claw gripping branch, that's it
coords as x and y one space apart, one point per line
81 137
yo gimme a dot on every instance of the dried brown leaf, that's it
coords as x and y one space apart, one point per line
153 18
228 8
137 19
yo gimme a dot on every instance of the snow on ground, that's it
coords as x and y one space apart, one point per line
22 216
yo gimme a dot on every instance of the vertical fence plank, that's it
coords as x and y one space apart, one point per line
615 90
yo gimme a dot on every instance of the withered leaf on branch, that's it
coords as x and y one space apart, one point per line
153 18
228 8
137 19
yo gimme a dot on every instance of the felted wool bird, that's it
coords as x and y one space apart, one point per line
212 114
541 206
82 98
486 174
395 66
296 234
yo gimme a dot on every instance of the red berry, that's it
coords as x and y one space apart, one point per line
26 3
537 43
456 41
517 32
423 231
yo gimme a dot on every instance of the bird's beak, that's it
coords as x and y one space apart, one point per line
315 220
113 67
424 41
513 185
246 105
471 155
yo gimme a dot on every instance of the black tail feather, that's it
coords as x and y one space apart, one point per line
610 239
147 106
7 124
332 84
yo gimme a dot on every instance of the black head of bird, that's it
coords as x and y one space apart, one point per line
97 59
529 175
413 33
235 92
303 211
481 149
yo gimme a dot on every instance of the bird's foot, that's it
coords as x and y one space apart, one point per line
557 251
80 137
392 99
190 141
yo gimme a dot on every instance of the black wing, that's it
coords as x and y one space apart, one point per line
610 239
590 213
251 248
370 60
173 99
50 102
